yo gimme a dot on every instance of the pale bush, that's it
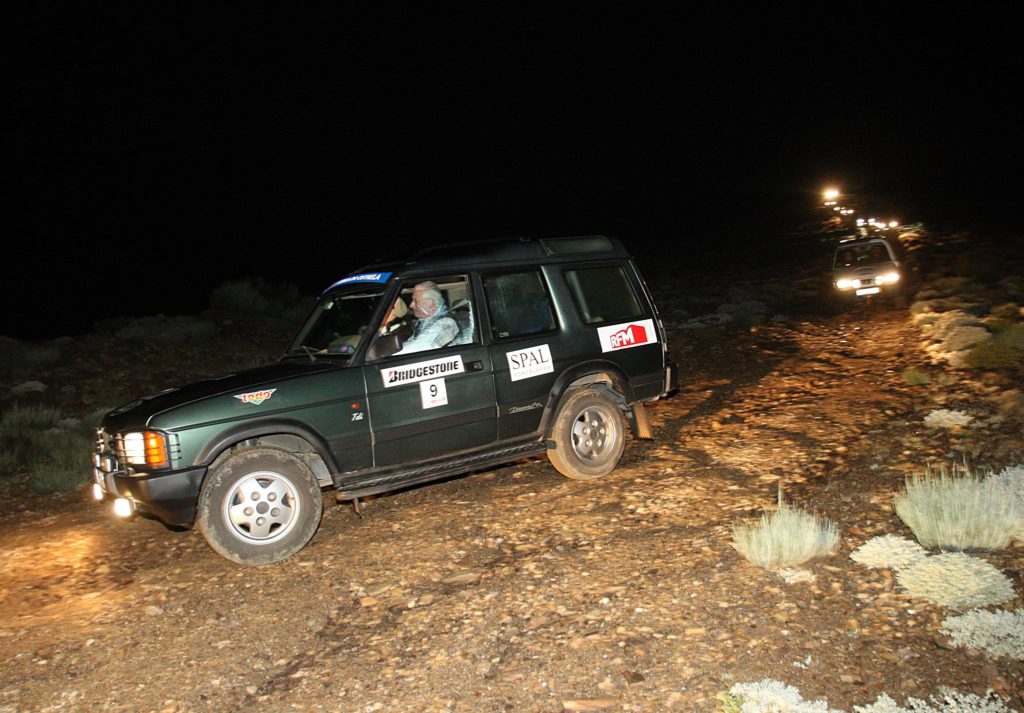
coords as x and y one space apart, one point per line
963 338
1001 633
956 580
769 696
1013 479
888 551
950 322
946 418
785 538
946 701
959 512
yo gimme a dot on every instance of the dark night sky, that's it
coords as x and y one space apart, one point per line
160 152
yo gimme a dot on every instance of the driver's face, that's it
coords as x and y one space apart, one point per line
418 305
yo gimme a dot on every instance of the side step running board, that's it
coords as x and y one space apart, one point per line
350 486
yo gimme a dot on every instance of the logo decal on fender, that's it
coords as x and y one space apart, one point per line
627 336
421 371
256 397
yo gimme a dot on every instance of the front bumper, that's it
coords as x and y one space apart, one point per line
170 497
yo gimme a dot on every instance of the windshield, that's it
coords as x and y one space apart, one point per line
339 322
861 255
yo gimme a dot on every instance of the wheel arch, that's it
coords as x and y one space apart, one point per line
602 373
290 436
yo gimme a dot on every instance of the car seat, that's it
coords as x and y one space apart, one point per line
462 313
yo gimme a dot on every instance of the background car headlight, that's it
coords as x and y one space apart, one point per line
146 448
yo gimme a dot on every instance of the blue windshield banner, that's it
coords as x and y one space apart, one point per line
367 277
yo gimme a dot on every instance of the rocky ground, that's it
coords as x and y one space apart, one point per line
514 589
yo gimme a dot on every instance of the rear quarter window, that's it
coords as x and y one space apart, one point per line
518 304
603 294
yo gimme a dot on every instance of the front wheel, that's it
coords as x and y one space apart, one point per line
260 506
589 435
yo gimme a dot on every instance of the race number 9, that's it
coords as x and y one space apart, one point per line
433 393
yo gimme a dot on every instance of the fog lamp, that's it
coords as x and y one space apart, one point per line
123 507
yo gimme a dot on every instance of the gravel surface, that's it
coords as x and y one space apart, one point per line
514 589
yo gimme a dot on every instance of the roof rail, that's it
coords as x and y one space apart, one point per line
450 247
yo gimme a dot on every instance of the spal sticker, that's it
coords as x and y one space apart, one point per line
534 361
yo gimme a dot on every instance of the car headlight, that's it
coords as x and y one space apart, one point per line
889 277
845 284
146 448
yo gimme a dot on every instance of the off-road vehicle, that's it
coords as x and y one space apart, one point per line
867 267
549 346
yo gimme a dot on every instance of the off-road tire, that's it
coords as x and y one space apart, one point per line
589 434
259 506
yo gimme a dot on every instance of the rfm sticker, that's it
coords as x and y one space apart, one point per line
256 397
626 336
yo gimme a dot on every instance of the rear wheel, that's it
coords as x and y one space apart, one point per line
589 434
260 506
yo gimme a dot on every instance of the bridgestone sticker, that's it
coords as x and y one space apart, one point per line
524 363
627 336
421 371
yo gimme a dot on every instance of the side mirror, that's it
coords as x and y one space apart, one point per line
384 346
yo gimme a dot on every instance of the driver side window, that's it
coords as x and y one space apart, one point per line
431 314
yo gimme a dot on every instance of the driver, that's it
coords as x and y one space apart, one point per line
434 328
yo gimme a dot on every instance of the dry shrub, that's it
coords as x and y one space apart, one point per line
785 538
888 551
946 418
946 701
915 377
959 512
956 580
769 696
993 355
1001 633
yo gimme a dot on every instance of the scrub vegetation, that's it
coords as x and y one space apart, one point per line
769 696
785 538
22 357
259 298
971 325
957 580
916 377
959 512
1000 633
51 452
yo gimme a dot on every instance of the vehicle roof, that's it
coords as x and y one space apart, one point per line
504 252
854 242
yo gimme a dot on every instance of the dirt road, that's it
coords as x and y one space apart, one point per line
517 590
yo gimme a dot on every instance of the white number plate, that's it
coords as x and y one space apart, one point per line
868 291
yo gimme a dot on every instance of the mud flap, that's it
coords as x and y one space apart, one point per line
640 423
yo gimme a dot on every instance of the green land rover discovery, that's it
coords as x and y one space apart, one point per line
459 358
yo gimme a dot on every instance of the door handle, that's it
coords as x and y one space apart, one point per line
474 366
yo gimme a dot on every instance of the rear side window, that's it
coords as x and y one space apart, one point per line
519 304
603 294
